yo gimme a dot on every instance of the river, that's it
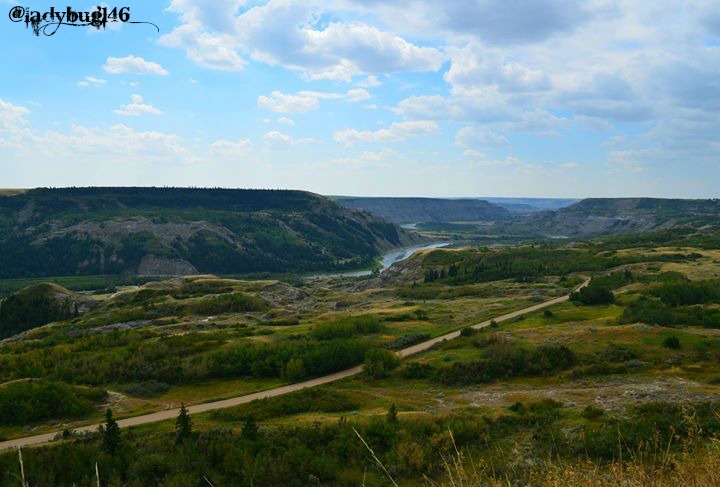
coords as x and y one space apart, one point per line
388 259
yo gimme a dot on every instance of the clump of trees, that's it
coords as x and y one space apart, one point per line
32 401
380 362
677 302
273 359
525 263
593 295
347 327
655 312
502 359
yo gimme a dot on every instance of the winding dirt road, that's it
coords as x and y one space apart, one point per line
278 391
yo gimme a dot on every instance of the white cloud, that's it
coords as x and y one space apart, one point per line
358 95
477 137
136 107
304 101
12 117
133 65
397 132
286 121
280 102
374 158
279 139
285 32
90 81
213 51
369 82
231 149
115 144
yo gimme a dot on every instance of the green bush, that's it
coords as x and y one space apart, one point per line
468 331
348 327
407 340
505 359
379 362
593 294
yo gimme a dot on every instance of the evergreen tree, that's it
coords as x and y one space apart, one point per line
250 428
111 438
183 425
392 414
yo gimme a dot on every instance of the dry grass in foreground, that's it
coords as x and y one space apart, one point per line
696 463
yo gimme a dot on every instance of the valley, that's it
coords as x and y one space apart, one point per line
511 351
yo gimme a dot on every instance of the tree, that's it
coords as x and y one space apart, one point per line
672 342
250 428
295 369
183 425
111 439
392 414
379 362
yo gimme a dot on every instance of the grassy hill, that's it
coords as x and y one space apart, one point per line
175 231
38 305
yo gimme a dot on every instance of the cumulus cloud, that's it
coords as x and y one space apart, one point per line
286 121
285 32
279 139
116 144
397 132
90 81
280 102
475 67
136 107
133 65
12 117
304 101
210 50
358 95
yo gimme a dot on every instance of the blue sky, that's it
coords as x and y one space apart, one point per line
366 97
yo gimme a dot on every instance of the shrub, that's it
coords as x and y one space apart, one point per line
347 327
593 295
416 370
407 340
379 362
468 331
672 342
507 359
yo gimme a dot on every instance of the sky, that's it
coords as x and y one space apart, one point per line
455 98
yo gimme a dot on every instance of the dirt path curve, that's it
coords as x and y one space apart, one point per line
278 391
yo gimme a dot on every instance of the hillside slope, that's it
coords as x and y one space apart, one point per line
607 216
38 305
426 210
175 231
